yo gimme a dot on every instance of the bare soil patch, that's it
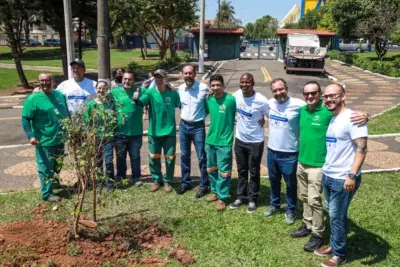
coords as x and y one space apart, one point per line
41 241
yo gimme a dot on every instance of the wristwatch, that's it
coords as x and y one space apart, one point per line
352 176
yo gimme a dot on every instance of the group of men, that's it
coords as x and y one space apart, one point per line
317 145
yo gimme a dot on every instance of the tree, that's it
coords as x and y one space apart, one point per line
225 17
248 31
311 19
291 26
13 15
265 28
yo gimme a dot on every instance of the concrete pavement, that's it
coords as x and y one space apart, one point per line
17 161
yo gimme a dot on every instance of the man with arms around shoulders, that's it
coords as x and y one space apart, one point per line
129 133
41 120
222 109
251 107
162 103
193 96
346 145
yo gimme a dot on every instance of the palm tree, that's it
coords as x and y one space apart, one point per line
226 15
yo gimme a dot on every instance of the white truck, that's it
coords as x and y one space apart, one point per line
304 53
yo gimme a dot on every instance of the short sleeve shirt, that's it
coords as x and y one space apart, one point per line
222 120
129 113
78 94
340 147
46 113
161 111
284 120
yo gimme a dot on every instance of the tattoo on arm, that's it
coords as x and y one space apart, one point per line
361 144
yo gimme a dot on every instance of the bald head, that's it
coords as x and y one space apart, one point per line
46 82
247 84
338 88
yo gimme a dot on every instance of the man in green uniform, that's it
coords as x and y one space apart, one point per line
129 133
41 120
314 122
222 109
162 102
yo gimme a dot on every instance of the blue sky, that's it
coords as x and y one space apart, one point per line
250 10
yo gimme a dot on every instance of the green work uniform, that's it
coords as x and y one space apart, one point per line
313 126
219 143
45 113
99 116
130 113
162 131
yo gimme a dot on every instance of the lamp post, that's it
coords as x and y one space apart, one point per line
201 45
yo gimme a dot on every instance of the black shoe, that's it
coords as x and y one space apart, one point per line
301 232
314 243
183 189
202 192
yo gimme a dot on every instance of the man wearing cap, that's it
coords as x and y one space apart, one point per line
193 96
78 90
41 120
129 133
162 102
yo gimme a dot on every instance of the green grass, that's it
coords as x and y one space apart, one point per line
9 77
235 238
386 123
43 56
390 56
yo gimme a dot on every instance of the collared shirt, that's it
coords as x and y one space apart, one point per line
193 101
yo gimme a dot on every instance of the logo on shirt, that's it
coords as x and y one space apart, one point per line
316 118
222 108
167 100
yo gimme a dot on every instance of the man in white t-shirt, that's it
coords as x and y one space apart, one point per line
346 145
283 147
79 90
251 107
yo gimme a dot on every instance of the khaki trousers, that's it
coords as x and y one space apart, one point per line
309 182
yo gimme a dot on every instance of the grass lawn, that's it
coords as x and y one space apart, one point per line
387 123
235 238
9 77
390 56
43 56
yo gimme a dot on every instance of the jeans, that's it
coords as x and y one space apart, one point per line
248 158
337 204
128 144
105 154
197 135
283 164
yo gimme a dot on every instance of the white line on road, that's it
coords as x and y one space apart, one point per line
256 54
264 54
248 54
241 54
272 54
13 146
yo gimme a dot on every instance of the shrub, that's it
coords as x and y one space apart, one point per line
334 54
381 67
132 67
396 63
168 62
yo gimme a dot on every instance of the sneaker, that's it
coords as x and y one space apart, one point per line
301 232
324 251
53 199
289 217
167 187
270 211
212 198
136 182
252 207
155 187
313 244
221 205
202 192
235 205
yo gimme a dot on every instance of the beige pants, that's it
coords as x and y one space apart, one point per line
310 190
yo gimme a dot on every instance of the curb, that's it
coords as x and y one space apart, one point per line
358 68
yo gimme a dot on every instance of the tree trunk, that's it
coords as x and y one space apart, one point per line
63 49
172 41
145 46
141 47
15 53
80 38
380 48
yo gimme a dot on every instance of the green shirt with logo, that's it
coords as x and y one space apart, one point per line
313 126
129 113
46 111
222 120
161 111
100 116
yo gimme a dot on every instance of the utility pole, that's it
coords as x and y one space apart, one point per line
201 45
219 12
69 35
103 44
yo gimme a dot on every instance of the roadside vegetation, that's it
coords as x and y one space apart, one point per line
9 78
386 123
229 238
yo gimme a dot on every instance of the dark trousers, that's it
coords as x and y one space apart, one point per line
248 158
105 155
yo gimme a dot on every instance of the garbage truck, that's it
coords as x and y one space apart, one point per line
303 53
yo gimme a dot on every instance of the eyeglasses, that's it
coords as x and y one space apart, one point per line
310 93
333 96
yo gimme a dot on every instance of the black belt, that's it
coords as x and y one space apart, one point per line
193 123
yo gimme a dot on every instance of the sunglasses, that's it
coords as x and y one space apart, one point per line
314 93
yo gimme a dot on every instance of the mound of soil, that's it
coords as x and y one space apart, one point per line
48 242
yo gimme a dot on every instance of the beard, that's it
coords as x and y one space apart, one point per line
280 98
245 89
189 80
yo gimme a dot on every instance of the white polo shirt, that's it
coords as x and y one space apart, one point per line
249 110
284 124
193 101
77 94
340 147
